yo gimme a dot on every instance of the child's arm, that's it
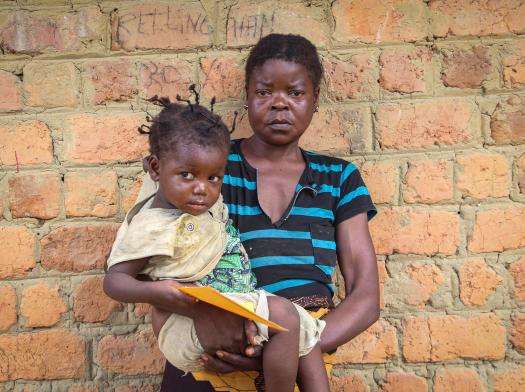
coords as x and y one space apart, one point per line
120 283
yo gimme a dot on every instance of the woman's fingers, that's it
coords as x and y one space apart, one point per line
240 362
213 364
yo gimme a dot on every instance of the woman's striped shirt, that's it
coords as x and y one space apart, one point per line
296 256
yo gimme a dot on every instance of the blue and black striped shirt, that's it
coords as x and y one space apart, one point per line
296 256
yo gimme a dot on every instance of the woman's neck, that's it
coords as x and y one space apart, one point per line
259 150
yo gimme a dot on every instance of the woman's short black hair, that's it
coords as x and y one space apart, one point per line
183 124
288 47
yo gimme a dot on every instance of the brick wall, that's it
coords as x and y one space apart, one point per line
427 97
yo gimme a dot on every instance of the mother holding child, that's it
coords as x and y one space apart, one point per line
258 219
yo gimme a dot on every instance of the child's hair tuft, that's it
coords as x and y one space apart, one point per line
183 124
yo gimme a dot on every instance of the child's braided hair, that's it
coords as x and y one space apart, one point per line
184 124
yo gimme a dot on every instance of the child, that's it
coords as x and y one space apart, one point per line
182 232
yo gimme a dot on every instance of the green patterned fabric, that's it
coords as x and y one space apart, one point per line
233 272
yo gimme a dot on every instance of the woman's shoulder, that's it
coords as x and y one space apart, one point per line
326 165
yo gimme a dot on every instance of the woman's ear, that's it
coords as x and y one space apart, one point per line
316 96
154 166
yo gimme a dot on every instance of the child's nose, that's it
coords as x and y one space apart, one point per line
199 188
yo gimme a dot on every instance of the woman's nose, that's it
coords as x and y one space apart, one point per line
279 101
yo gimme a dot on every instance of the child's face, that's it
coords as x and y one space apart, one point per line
190 177
281 101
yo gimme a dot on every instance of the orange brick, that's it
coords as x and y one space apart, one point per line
248 22
443 338
351 77
476 282
521 173
418 231
41 305
426 279
7 307
110 81
339 131
222 77
416 340
45 355
77 248
104 138
404 382
428 181
351 383
381 179
511 380
464 68
517 270
457 380
91 193
373 21
498 229
35 195
405 70
51 85
514 64
467 18
482 175
131 354
377 344
507 124
33 32
166 78
441 121
10 98
27 143
160 26
517 333
90 303
18 247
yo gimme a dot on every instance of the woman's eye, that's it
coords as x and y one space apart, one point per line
187 175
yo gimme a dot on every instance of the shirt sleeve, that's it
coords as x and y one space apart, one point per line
354 197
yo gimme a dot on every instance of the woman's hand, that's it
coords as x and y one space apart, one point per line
218 329
226 362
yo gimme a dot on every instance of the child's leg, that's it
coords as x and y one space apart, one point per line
312 373
281 353
158 318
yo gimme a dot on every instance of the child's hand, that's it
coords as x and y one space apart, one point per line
167 297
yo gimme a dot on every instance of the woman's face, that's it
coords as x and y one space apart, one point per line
281 101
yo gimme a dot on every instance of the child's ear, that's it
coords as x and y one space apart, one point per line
153 169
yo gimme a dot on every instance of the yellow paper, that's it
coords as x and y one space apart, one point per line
213 297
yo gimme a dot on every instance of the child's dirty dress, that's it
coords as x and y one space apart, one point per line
204 249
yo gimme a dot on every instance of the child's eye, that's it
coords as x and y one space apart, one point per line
296 93
187 175
214 179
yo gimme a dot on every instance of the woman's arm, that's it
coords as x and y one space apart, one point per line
354 314
357 261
